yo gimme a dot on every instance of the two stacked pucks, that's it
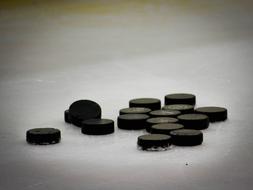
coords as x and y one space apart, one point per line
87 115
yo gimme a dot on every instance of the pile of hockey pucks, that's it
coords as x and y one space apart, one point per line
177 122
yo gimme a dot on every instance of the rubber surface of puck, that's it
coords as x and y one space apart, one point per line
97 126
134 110
132 121
186 137
164 113
183 108
43 136
180 98
214 113
165 128
194 121
67 116
154 142
82 110
158 120
151 103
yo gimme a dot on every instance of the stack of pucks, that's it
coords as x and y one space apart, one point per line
151 103
157 120
82 110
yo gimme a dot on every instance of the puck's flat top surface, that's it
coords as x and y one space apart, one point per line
145 101
98 121
211 109
186 132
180 96
156 120
154 137
43 131
164 113
135 110
179 107
133 116
167 126
192 116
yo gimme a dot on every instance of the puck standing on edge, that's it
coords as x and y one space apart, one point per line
151 103
98 126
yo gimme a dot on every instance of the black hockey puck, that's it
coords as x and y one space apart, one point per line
43 136
183 108
134 110
154 142
165 128
194 121
132 121
214 113
186 137
82 110
151 103
67 116
158 120
164 113
97 126
180 98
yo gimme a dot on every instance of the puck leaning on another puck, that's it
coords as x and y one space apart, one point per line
165 128
98 126
194 121
132 121
164 113
151 103
183 108
82 110
67 116
43 136
214 113
134 110
186 137
154 142
158 120
180 98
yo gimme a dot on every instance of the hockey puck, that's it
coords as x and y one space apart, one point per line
132 121
97 126
183 108
186 137
158 120
151 103
194 121
164 113
154 142
180 98
67 116
134 110
165 128
214 113
43 136
82 110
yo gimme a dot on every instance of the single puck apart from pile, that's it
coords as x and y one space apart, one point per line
134 110
67 116
158 120
43 136
194 121
98 126
214 113
154 142
164 113
82 110
186 137
180 98
165 128
132 121
183 108
151 103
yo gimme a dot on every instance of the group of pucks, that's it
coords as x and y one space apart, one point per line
177 122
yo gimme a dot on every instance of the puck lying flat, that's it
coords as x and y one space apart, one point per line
158 120
186 137
164 113
165 128
134 110
43 136
180 99
154 142
132 121
97 126
194 121
82 110
214 113
183 108
151 103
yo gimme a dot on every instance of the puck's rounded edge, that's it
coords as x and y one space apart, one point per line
98 127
